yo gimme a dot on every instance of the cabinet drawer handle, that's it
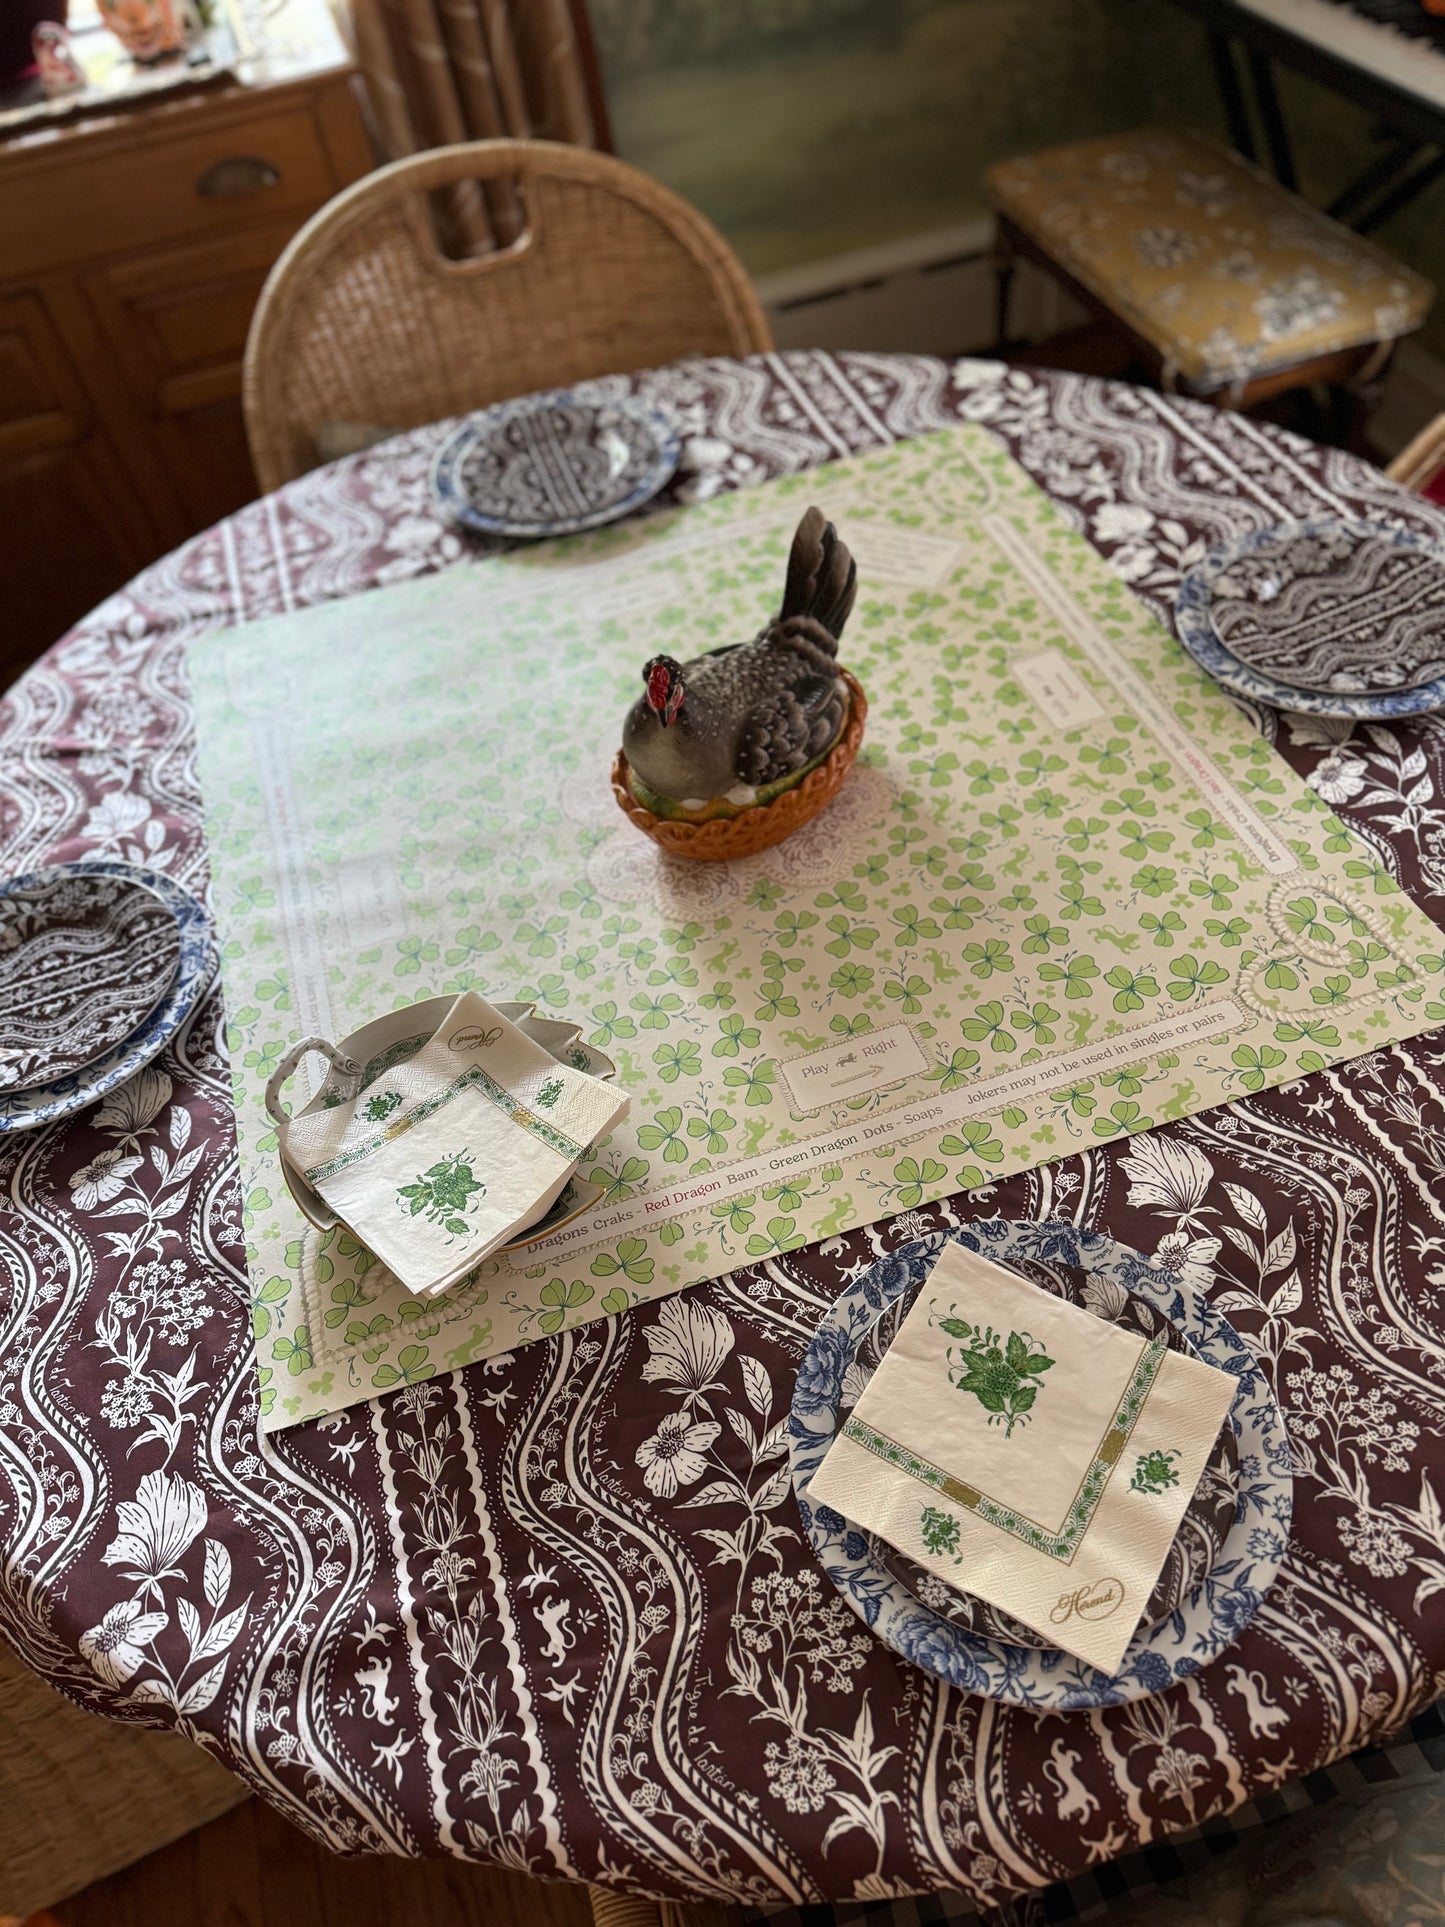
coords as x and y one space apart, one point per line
237 175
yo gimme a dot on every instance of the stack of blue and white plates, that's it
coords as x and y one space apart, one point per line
1230 1543
1326 618
100 964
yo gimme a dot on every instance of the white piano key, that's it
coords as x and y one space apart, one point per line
1413 65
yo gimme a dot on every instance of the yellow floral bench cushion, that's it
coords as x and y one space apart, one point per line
1223 272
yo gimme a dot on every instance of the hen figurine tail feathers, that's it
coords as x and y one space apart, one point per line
822 576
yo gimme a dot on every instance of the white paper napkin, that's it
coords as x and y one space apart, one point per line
1029 1453
444 1156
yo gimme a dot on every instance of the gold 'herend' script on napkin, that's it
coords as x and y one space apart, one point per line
1066 893
1027 1452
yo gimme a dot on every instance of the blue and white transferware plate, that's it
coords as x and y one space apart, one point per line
27 1110
83 961
553 464
1208 1622
1326 618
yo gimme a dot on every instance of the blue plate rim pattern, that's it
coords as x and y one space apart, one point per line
1196 631
1050 1680
452 499
28 1110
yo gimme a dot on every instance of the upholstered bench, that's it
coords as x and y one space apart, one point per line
1229 287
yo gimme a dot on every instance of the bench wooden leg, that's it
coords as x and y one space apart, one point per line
1005 262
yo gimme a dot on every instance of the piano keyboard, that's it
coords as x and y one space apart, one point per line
1395 40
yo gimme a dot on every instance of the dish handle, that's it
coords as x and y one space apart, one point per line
344 1066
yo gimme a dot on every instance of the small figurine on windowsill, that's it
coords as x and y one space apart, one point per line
61 73
729 753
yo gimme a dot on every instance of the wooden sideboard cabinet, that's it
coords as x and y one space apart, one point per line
132 250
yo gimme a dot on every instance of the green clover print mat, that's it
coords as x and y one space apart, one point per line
1066 894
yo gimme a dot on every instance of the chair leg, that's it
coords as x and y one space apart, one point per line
1005 262
1417 465
1359 397
611 1909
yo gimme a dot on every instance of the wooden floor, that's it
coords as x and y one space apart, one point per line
251 1868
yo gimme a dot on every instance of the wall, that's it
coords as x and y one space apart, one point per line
810 128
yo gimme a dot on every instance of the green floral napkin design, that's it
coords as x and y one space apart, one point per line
1029 1453
444 1155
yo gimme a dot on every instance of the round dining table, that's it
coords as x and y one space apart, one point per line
488 1628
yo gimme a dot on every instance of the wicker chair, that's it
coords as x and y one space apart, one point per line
632 1910
365 320
82 1797
1421 465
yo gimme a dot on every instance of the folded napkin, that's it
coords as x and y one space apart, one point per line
436 1160
1028 1453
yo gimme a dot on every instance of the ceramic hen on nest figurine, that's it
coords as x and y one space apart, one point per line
731 752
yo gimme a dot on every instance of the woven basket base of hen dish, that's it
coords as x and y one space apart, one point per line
719 838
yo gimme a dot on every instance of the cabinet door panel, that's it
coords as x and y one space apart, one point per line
71 530
176 322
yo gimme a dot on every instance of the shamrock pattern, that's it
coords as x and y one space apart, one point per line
1084 922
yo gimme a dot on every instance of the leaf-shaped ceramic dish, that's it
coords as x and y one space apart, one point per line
400 1034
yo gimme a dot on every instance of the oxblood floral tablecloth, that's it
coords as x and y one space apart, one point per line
555 1611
